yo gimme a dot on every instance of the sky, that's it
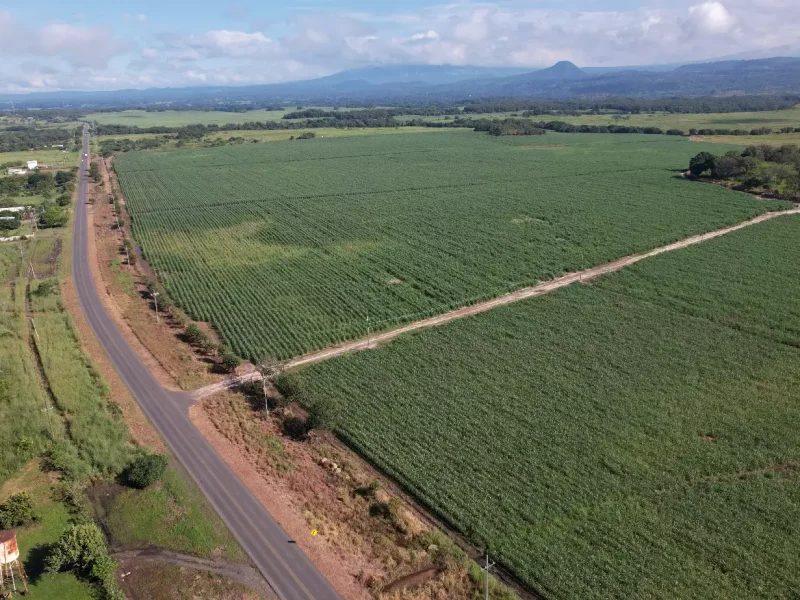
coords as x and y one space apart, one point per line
52 45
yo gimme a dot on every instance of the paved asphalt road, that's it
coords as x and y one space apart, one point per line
287 569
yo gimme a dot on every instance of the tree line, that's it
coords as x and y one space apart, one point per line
770 169
630 105
563 127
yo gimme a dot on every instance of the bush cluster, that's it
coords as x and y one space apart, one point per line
17 511
146 470
776 169
82 549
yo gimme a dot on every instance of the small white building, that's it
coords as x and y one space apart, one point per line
33 164
15 171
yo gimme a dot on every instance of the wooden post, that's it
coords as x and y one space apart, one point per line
23 578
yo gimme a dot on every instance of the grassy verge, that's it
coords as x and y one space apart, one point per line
23 425
172 515
95 424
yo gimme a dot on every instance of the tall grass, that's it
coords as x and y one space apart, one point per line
94 424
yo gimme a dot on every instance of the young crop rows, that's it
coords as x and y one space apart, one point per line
289 247
634 438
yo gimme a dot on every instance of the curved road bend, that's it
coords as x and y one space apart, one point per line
284 565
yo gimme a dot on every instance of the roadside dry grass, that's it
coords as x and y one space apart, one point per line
368 535
158 344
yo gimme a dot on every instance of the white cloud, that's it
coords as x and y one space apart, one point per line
711 17
79 46
428 35
512 32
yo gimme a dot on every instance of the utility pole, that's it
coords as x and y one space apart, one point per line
485 569
155 298
269 368
32 271
369 334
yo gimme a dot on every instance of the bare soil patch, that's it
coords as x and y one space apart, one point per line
520 220
160 575
539 147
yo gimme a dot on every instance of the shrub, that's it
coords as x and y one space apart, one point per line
296 428
78 548
9 220
53 216
193 333
701 163
291 387
45 288
82 549
146 470
726 167
17 511
229 360
324 415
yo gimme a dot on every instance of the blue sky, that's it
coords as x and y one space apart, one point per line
49 44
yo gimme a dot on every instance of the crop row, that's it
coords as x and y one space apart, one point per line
284 274
634 438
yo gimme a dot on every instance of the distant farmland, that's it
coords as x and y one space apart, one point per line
291 246
638 437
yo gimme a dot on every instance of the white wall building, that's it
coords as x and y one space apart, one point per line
33 164
15 171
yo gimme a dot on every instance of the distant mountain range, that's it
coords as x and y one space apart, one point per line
420 83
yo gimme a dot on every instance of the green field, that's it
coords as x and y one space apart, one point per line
288 247
777 139
52 158
638 437
263 135
744 120
178 118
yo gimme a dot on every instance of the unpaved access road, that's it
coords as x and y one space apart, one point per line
510 298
